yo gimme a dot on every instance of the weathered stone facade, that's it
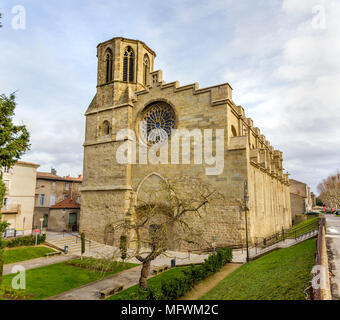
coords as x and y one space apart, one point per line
124 91
301 198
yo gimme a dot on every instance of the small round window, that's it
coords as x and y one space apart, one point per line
157 122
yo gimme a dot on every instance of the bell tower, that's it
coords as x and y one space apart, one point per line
124 67
122 64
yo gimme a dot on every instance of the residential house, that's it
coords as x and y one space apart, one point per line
18 204
57 201
301 198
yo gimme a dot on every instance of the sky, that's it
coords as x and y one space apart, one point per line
281 57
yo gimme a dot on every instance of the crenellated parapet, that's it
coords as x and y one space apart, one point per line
220 94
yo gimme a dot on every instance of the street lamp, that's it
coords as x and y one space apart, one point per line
214 243
41 225
246 198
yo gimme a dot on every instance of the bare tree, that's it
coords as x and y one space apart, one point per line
167 218
329 190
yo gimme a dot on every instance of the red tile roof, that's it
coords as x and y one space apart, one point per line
66 204
50 176
25 163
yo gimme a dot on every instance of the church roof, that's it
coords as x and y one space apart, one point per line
132 40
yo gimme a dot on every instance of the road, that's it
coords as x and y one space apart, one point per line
333 250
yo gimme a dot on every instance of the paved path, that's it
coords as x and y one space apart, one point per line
101 251
91 291
39 262
128 277
333 249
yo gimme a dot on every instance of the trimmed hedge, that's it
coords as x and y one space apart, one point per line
180 285
103 265
23 241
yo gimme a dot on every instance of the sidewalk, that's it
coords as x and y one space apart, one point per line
333 249
39 262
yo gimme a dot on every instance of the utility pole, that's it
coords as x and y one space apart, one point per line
246 198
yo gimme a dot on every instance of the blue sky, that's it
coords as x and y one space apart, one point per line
280 58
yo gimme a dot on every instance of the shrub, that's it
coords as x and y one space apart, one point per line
12 294
180 285
23 241
82 236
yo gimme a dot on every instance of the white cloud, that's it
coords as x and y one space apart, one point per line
284 71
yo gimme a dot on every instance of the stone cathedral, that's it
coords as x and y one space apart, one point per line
130 90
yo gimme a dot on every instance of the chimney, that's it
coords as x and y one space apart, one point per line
53 171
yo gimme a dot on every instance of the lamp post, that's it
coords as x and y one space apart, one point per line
214 243
41 225
246 198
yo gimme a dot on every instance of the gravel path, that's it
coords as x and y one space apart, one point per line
206 285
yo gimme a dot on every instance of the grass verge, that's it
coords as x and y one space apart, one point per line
51 280
280 275
302 227
132 292
25 253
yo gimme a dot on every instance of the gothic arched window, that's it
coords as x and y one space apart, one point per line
106 128
146 69
157 122
128 65
109 63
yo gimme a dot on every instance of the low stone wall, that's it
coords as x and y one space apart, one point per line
321 289
326 293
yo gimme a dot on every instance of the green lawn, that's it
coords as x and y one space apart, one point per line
280 275
25 253
57 278
310 220
306 225
132 292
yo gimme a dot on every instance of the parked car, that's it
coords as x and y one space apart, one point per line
310 213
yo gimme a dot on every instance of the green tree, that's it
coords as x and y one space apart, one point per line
14 142
82 236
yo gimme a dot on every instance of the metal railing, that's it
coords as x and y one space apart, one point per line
293 233
11 208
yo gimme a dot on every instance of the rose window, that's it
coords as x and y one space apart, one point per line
157 122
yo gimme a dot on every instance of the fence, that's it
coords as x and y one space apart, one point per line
294 233
13 233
